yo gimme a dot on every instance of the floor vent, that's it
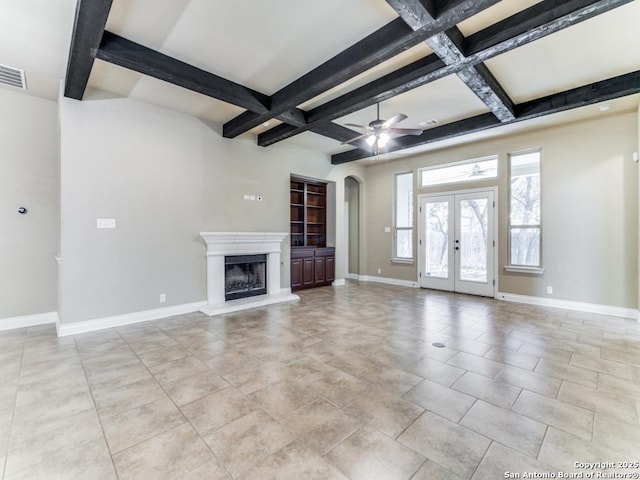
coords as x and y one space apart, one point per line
12 77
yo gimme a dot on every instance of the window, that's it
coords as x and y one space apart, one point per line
403 248
466 171
524 210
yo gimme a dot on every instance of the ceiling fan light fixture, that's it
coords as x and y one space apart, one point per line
383 139
371 139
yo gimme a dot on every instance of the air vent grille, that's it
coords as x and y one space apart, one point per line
12 77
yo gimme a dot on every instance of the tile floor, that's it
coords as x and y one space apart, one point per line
344 384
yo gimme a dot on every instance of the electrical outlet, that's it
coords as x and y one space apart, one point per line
550 290
163 297
379 270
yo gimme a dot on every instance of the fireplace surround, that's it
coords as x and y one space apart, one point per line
227 244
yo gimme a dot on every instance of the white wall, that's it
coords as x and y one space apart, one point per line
589 216
28 178
164 177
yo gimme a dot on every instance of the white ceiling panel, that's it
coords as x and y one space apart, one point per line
579 55
494 14
266 45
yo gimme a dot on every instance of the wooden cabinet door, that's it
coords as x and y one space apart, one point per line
307 272
319 271
296 272
330 269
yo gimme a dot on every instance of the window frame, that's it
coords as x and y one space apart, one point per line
514 267
394 257
495 157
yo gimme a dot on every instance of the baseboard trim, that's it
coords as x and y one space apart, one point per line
623 312
24 321
388 281
339 282
65 329
353 276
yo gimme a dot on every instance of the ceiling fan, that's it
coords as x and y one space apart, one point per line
378 132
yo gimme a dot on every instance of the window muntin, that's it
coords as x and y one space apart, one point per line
466 171
525 240
403 216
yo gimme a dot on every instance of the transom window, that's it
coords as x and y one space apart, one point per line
465 171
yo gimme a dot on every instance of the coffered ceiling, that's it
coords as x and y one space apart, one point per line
297 71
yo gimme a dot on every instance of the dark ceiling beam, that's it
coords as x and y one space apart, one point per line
90 20
621 86
125 53
448 46
385 43
544 18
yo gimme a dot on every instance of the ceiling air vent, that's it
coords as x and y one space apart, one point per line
12 77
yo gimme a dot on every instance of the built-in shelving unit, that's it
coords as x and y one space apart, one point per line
312 263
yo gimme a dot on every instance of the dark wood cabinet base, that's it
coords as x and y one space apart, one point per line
312 267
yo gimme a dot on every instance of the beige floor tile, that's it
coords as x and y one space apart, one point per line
544 350
90 460
154 358
118 376
320 425
227 363
245 442
111 401
370 454
217 410
254 378
208 471
561 415
567 372
173 371
561 449
136 425
193 387
603 366
452 446
511 357
474 363
500 460
599 401
534 382
432 471
339 388
497 392
467 346
45 441
384 411
282 399
294 462
619 386
509 428
165 456
436 371
620 436
444 401
393 379
629 356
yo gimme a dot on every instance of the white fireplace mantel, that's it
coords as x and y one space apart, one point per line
221 244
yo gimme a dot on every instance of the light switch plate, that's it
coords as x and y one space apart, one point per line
105 223
387 229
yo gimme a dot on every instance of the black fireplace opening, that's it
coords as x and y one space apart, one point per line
244 276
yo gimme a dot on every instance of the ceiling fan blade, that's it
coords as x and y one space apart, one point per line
398 118
356 138
355 125
405 131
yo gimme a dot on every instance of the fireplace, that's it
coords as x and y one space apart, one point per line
229 254
244 276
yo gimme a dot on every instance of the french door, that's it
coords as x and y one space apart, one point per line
456 242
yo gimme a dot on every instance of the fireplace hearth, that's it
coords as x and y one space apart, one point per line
244 276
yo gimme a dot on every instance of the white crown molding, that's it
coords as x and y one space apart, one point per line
28 320
65 329
571 305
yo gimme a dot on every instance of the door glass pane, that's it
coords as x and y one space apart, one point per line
437 239
473 240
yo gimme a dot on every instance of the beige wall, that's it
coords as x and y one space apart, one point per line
590 210
28 178
165 177
353 199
